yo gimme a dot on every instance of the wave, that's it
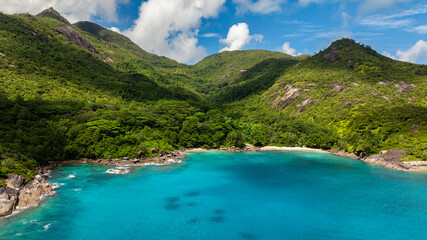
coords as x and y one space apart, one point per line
47 226
118 170
57 185
71 176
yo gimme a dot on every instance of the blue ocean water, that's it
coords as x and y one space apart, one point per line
221 195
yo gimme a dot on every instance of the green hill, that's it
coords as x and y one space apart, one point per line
364 101
83 91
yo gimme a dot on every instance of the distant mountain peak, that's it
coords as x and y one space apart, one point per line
348 52
52 13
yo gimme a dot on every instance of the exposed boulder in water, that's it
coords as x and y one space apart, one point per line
8 200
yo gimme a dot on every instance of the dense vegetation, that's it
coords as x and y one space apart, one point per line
107 97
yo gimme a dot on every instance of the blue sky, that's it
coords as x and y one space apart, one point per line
188 30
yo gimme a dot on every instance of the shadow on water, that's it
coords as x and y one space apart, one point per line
248 236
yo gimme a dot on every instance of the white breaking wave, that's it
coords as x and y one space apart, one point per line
174 161
46 227
71 176
118 170
57 185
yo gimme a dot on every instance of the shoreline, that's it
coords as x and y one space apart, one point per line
389 159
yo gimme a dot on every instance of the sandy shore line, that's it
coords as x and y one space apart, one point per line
305 149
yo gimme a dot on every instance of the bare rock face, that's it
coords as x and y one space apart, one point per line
414 127
15 181
332 55
8 200
403 87
75 38
290 93
30 194
337 87
390 159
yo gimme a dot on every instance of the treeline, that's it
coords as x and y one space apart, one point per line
39 131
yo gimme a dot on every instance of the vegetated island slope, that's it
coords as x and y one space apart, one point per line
82 91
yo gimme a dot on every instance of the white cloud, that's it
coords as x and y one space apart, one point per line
398 20
421 29
416 53
258 7
378 21
286 48
239 36
170 28
114 29
346 18
73 10
333 35
389 55
370 5
307 2
211 35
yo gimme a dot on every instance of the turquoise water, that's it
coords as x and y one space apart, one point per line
217 195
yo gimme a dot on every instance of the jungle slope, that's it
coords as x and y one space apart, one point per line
351 97
72 91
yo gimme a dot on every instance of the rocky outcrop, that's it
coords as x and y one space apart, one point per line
380 95
332 55
75 38
21 194
393 159
403 87
8 200
15 181
337 87
414 127
33 191
286 96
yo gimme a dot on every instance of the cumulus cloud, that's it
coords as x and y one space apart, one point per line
114 29
170 28
258 7
286 48
73 10
389 55
238 37
416 53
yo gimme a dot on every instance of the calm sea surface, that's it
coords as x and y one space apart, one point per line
220 195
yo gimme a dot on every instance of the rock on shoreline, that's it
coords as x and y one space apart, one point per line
393 159
19 194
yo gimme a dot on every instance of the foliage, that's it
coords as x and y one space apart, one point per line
60 102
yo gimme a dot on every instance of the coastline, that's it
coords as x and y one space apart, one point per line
20 198
389 159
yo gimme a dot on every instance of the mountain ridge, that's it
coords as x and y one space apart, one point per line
61 100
